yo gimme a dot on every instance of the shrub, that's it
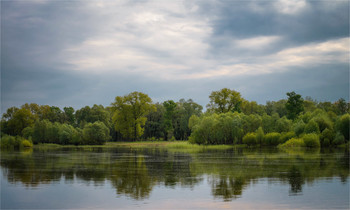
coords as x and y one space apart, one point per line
343 125
286 136
312 127
27 143
294 142
283 125
299 127
11 142
259 135
311 140
272 139
326 134
95 133
339 139
250 139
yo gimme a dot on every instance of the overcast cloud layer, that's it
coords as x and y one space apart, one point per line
77 53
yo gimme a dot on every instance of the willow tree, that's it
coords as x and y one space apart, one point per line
130 114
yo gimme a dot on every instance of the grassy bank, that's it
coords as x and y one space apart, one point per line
173 145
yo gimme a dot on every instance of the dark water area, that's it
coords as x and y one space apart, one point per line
154 178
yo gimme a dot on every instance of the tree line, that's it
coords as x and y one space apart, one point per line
228 119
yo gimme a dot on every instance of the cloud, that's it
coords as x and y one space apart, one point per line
77 53
290 7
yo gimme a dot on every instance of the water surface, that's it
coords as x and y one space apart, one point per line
125 177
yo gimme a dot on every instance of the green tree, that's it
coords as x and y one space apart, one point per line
95 133
130 114
341 107
250 139
69 115
312 127
343 125
276 107
283 125
19 119
169 106
93 114
183 111
225 100
294 105
154 127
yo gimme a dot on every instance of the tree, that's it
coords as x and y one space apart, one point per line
95 133
225 100
18 120
343 125
130 114
69 115
169 106
184 110
341 107
93 114
294 105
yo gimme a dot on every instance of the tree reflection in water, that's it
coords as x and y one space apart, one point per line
135 172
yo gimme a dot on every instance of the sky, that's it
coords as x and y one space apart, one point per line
78 53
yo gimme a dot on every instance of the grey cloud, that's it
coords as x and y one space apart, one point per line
34 36
240 20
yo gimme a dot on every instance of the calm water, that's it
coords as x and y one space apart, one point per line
160 178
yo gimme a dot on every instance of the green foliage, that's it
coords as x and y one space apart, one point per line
95 133
294 105
286 136
251 107
272 139
339 139
218 129
276 107
292 143
327 137
343 125
225 100
341 107
154 126
312 127
250 139
14 142
27 132
251 122
169 115
20 119
323 122
134 117
299 127
184 110
311 140
130 114
283 125
91 115
268 122
259 135
193 121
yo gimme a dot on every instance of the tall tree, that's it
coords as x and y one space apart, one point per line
169 106
294 105
69 115
225 100
130 113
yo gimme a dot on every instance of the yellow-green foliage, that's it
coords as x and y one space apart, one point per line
286 136
311 140
27 143
294 142
272 139
249 139
12 142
